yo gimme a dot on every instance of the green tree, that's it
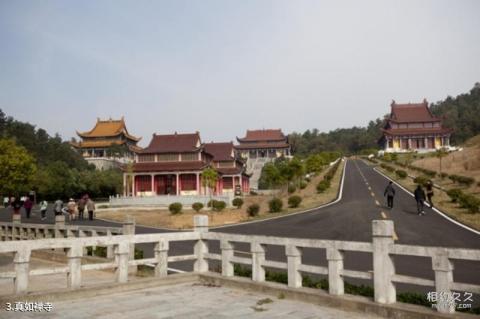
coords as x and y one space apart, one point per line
209 179
17 168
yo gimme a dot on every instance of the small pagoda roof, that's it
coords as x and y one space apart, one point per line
174 143
412 113
109 128
263 135
220 151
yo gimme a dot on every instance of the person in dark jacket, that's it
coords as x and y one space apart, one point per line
390 193
430 193
419 197
28 206
16 205
81 207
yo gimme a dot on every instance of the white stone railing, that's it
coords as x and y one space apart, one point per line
165 200
382 249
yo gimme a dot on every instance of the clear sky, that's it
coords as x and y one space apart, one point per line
221 67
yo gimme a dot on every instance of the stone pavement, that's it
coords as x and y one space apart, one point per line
186 301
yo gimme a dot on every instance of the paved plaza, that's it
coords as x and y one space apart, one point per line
186 301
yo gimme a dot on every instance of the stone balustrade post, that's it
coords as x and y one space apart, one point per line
227 255
258 257
81 234
129 229
335 267
383 266
22 269
161 255
59 220
16 219
443 268
122 251
200 223
110 254
294 260
74 256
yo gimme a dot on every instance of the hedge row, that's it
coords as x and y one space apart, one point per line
468 201
325 183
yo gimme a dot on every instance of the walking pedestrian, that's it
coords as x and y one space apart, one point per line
16 205
43 209
58 207
81 207
28 204
419 197
390 193
6 201
430 193
71 206
90 208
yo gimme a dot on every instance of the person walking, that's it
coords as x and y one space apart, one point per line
58 207
81 207
6 201
16 205
71 207
43 209
430 193
90 208
28 204
419 197
390 193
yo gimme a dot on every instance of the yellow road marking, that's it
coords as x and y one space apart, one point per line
376 202
395 237
384 215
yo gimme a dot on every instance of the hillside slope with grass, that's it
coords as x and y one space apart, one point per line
465 162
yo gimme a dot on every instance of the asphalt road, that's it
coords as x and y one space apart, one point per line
350 219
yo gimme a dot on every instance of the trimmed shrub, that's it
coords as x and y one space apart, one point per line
197 206
291 189
253 210
443 175
303 184
210 203
454 194
465 180
218 205
275 205
469 202
237 202
294 201
421 180
323 186
401 173
175 208
253 193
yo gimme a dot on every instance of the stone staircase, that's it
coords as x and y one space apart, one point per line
254 167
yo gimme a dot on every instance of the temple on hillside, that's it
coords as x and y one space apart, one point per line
263 144
412 127
108 140
173 164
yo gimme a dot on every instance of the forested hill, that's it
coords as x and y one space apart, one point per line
461 113
45 148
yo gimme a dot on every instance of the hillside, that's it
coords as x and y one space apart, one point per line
465 162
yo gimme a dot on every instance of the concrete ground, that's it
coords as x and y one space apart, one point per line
185 301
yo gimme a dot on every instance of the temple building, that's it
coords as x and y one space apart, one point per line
263 144
173 164
108 142
259 147
412 127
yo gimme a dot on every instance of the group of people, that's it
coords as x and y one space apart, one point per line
419 195
73 209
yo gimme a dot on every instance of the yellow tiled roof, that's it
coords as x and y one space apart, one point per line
108 128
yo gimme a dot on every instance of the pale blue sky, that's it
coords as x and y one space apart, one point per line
221 67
